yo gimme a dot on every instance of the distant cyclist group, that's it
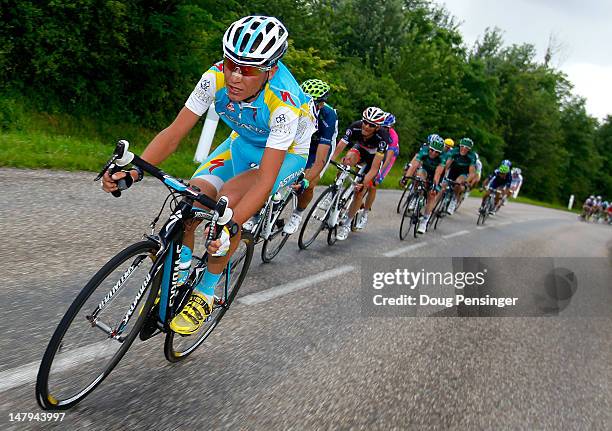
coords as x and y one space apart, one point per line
597 210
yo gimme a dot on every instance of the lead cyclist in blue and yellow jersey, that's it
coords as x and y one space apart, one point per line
271 120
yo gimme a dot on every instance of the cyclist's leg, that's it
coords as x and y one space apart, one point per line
460 188
209 177
306 197
366 157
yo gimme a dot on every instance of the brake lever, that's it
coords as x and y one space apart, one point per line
106 166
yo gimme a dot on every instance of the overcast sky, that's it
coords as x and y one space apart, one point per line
583 29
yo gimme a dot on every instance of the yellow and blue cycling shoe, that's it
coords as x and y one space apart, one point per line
193 314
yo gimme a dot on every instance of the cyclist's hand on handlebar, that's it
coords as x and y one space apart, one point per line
221 245
109 182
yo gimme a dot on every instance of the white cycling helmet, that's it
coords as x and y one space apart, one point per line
255 41
374 115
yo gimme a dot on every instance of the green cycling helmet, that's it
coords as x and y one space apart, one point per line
317 89
437 144
466 142
504 169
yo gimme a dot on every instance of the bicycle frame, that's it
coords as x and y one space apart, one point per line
336 205
169 239
269 215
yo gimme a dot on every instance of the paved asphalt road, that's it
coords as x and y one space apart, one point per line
310 358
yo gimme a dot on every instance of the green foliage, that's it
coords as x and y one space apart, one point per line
96 70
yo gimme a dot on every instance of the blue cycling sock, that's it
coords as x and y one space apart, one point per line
185 258
206 286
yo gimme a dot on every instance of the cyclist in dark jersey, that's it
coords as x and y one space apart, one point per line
322 145
500 179
429 165
424 146
368 142
461 168
388 161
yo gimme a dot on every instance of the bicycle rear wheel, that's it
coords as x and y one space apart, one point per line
277 239
316 220
178 347
98 328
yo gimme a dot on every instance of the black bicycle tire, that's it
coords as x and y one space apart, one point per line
406 217
399 204
169 352
283 241
304 245
45 399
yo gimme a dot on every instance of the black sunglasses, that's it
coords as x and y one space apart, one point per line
369 123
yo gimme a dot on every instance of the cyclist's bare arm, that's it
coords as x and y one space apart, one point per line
438 174
414 165
339 148
158 150
317 166
374 168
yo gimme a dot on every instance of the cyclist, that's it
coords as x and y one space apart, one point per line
424 146
517 182
258 98
500 179
429 165
587 208
449 144
322 145
390 156
597 208
368 143
474 180
460 167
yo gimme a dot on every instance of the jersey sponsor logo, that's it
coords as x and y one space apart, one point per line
230 107
280 129
282 118
286 96
216 163
246 126
218 66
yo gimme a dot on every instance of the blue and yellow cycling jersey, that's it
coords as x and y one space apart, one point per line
281 117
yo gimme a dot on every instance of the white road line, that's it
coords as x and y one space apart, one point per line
283 289
26 374
402 250
505 223
451 235
483 227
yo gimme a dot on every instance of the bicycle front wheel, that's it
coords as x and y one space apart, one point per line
98 328
404 194
316 220
178 347
406 218
277 239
